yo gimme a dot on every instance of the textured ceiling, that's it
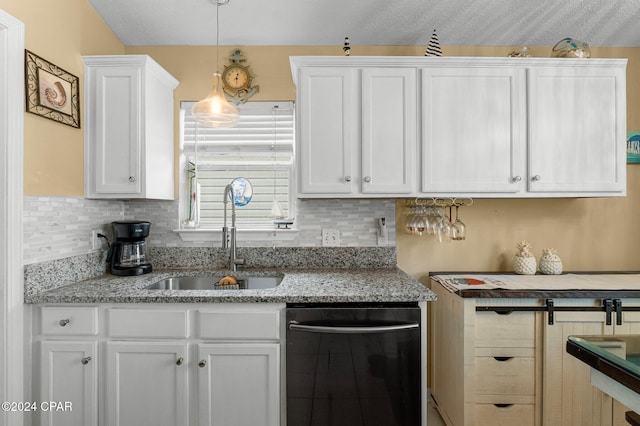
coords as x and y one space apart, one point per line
373 22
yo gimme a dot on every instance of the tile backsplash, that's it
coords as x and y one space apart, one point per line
60 227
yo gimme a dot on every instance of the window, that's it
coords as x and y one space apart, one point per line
260 148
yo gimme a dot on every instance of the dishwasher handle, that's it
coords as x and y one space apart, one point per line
329 329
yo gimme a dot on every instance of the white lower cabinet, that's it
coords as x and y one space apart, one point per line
239 384
159 364
68 384
146 383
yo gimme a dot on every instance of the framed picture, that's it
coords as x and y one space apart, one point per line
51 91
633 147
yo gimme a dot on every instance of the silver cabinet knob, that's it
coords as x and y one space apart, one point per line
347 178
180 361
367 178
64 322
536 177
132 179
202 363
85 360
516 178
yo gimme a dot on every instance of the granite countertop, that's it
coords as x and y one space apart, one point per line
297 286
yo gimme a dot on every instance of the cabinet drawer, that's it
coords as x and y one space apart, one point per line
148 323
516 329
239 325
505 375
69 321
504 414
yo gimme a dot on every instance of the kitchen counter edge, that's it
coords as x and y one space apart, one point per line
357 285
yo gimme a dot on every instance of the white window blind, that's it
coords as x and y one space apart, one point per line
260 148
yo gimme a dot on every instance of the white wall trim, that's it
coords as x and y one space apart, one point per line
11 196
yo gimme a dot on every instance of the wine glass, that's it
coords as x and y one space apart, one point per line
443 228
458 228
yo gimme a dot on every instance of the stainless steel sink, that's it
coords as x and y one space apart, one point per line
211 283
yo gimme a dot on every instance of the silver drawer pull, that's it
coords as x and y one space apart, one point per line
64 322
85 360
180 361
202 363
294 325
132 179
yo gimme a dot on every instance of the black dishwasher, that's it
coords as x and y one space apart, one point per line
353 364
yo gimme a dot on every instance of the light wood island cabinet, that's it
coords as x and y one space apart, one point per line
505 366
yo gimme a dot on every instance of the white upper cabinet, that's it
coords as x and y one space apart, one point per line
356 131
473 130
128 128
469 126
577 129
326 131
388 130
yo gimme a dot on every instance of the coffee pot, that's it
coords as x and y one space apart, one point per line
128 254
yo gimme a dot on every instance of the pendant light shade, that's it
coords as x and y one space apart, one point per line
214 110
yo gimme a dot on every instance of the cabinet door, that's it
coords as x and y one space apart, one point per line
239 384
577 129
388 130
327 130
473 133
146 384
114 142
68 374
569 399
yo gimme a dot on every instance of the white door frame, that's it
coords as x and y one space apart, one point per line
11 196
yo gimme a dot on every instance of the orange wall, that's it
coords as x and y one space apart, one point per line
59 31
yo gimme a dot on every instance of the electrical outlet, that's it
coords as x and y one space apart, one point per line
381 231
330 237
96 242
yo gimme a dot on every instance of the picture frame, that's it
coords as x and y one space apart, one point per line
51 92
633 147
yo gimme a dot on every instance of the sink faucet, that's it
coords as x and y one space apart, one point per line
229 234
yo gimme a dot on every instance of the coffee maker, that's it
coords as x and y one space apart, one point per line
128 254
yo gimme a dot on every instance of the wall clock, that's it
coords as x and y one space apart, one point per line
237 79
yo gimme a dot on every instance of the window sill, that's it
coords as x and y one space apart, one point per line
242 235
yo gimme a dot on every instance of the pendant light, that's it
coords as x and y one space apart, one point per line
215 110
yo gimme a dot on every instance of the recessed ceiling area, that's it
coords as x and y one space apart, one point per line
373 22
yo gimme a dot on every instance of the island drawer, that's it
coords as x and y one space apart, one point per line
504 414
239 325
515 329
69 321
505 375
148 323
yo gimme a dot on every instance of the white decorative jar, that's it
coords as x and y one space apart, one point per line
550 263
524 263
